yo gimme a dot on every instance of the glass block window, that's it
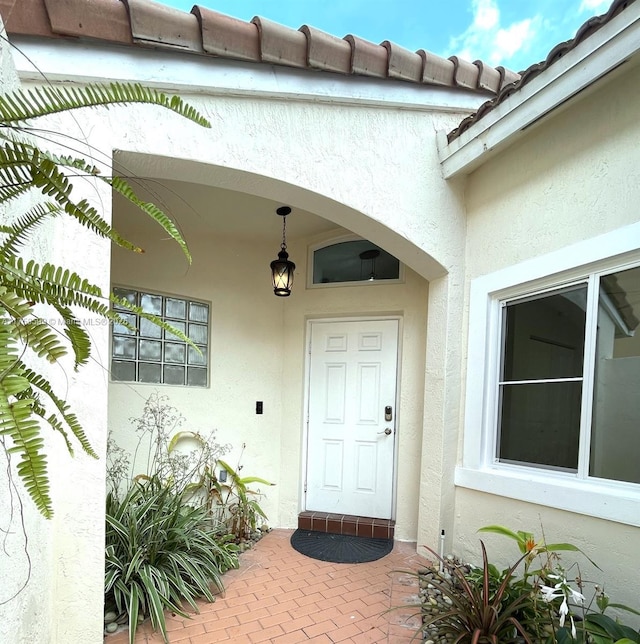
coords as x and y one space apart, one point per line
152 355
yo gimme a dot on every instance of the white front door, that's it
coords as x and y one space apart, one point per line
351 417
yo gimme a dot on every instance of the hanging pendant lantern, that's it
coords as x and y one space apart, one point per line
282 269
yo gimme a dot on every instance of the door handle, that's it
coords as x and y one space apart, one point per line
388 431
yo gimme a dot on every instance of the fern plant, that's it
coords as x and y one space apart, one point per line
28 402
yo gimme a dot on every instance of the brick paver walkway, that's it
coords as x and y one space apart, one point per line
278 595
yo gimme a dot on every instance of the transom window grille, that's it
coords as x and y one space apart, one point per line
152 355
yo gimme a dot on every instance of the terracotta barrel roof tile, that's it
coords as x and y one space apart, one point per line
366 58
281 45
436 70
21 17
489 77
327 52
507 76
226 36
100 19
403 64
465 74
153 23
150 23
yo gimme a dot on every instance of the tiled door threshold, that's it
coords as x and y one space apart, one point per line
346 524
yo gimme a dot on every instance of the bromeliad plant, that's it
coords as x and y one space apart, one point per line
478 611
27 399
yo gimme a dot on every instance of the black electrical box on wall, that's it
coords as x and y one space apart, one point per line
258 406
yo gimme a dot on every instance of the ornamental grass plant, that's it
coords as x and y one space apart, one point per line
160 554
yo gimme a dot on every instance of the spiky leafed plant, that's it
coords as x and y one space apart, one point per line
27 400
477 614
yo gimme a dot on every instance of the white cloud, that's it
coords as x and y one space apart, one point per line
594 6
488 40
512 39
486 15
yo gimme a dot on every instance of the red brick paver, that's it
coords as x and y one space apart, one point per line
278 595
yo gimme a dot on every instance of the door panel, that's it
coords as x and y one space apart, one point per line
352 379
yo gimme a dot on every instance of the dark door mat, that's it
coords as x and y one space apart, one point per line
339 548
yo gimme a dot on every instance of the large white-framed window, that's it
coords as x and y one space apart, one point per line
553 383
149 354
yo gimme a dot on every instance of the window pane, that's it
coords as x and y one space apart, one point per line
615 432
198 312
130 319
175 308
173 375
124 294
198 358
353 261
540 424
149 330
174 352
124 347
196 377
198 333
178 326
544 337
150 350
149 372
151 303
121 370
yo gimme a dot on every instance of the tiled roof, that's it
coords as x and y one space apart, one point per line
206 32
588 28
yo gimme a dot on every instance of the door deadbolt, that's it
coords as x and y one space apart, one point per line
388 413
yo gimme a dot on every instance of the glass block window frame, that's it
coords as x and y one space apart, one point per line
152 355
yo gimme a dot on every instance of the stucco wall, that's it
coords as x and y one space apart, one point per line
62 559
573 177
258 343
370 169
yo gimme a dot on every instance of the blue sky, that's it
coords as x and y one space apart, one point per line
512 33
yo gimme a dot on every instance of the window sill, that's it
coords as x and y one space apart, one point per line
611 501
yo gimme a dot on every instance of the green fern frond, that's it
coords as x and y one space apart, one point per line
70 419
39 337
22 164
50 284
16 307
18 233
38 409
17 422
77 336
123 188
21 106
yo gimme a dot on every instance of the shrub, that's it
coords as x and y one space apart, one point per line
159 552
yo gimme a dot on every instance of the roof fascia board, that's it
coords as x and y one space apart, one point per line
606 49
63 60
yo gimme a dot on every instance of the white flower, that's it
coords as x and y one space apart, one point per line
563 612
575 595
549 593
